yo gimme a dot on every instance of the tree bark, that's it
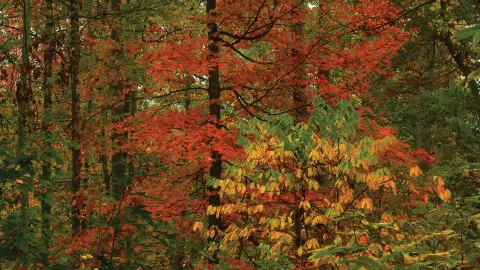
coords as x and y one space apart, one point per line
46 177
75 111
25 101
214 221
119 159
106 173
300 115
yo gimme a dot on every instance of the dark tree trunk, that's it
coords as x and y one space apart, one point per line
300 114
106 173
75 110
25 100
119 158
46 177
214 221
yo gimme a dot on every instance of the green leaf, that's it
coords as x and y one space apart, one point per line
370 261
327 252
476 38
421 208
212 181
473 31
419 265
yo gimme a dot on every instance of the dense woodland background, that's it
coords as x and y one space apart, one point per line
253 134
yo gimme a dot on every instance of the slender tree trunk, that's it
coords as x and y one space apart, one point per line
106 173
119 158
25 101
75 111
86 178
46 177
300 115
132 109
188 95
214 221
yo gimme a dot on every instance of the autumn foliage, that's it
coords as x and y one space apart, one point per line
217 134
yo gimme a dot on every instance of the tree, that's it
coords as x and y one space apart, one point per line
74 57
47 88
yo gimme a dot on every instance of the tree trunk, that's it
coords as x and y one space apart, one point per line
132 109
300 114
106 173
25 101
88 172
214 111
46 177
119 159
75 110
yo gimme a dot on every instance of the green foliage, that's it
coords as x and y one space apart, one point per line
442 122
470 32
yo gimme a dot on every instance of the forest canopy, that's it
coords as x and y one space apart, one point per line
254 134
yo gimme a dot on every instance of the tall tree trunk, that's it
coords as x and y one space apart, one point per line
25 101
119 158
46 177
300 115
88 172
214 222
75 110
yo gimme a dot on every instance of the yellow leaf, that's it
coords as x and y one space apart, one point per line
299 173
412 188
305 205
86 256
312 243
211 233
447 232
314 155
443 193
366 203
18 181
415 171
197 225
